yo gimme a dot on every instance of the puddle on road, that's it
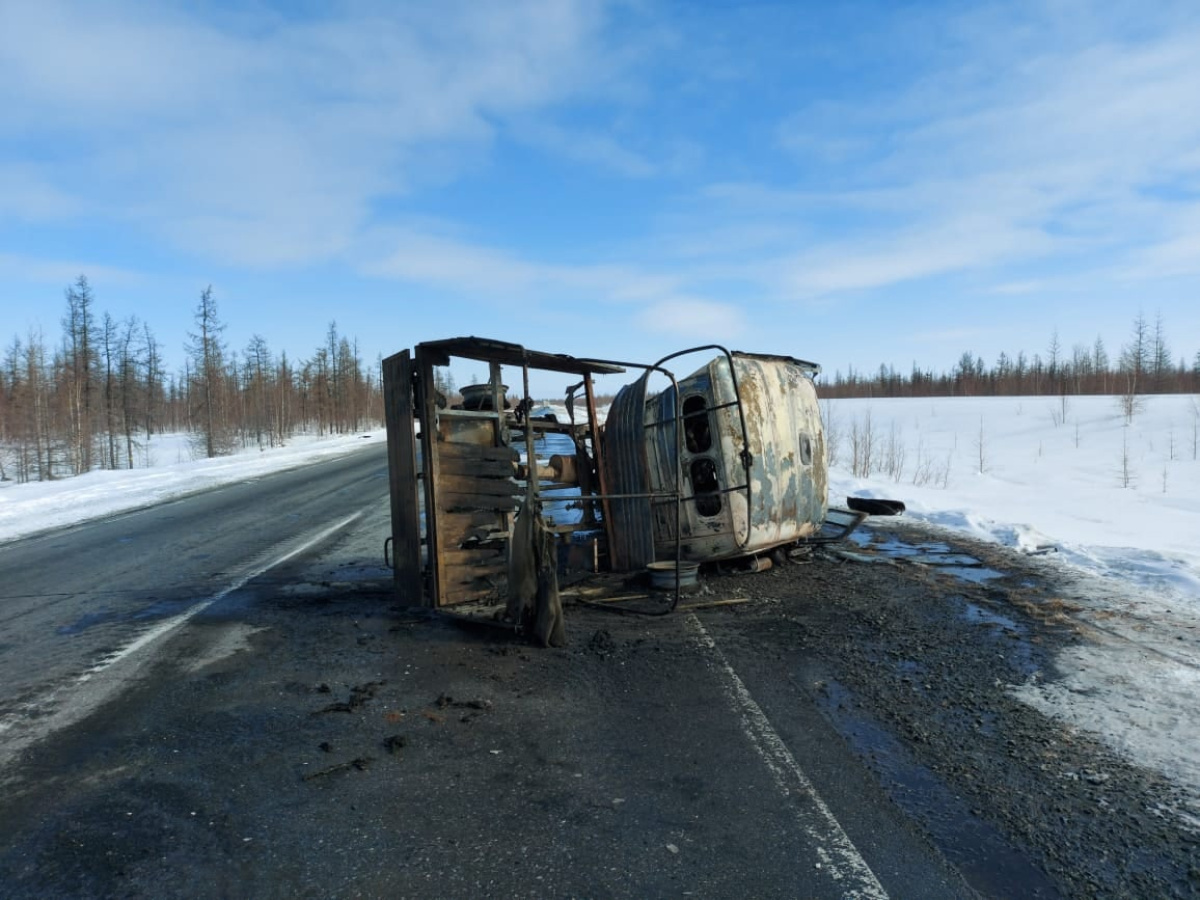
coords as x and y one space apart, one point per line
985 858
938 554
976 574
1010 637
977 615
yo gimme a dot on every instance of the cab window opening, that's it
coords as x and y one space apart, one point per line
706 486
696 428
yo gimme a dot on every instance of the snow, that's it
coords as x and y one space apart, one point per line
1118 504
1119 507
170 471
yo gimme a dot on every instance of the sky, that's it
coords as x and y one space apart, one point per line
858 184
1111 510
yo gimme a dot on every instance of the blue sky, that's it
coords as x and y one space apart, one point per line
853 183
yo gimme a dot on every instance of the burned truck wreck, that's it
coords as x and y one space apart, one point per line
750 462
493 499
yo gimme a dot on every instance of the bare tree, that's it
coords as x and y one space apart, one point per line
1160 356
1134 363
207 353
1054 361
1126 471
260 374
1100 365
981 447
108 353
152 375
79 364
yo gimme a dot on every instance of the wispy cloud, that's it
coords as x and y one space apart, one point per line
259 140
652 301
58 273
694 318
764 163
451 263
601 150
1081 154
27 193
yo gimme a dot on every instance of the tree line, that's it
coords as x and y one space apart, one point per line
95 398
1143 365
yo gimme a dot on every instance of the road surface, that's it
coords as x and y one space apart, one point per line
220 697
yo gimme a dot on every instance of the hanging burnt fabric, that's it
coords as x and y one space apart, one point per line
533 599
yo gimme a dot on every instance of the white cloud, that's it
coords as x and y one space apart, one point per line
445 263
693 318
587 147
60 272
264 141
26 193
932 248
491 273
1034 145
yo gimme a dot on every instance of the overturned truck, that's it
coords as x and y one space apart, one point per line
494 497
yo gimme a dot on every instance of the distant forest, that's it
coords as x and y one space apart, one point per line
94 398
1143 365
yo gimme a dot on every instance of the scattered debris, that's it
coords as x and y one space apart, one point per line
359 763
708 604
602 644
445 700
359 695
394 743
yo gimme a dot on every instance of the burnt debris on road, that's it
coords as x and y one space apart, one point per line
361 748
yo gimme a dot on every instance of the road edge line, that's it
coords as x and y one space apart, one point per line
837 852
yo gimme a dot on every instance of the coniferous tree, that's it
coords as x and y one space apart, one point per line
208 408
79 362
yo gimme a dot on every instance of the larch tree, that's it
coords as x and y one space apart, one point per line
79 364
1134 363
207 389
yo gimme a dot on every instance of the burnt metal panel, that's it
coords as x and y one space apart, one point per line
788 488
403 487
760 410
509 354
629 528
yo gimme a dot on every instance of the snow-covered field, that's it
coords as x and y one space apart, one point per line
1119 504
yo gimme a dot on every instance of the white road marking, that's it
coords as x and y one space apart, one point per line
840 859
77 699
169 625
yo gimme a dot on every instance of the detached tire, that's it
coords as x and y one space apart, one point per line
875 507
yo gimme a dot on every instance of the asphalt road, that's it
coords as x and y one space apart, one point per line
83 608
221 697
